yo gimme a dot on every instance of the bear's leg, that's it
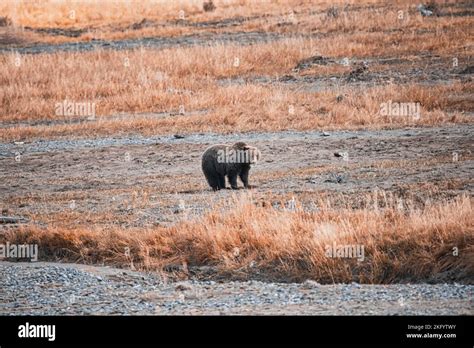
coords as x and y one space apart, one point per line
213 181
244 176
221 179
233 181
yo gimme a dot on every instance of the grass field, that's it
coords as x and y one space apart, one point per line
92 93
285 244
186 80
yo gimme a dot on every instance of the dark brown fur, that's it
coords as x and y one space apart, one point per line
216 166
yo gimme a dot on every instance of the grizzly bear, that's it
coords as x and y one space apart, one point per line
233 161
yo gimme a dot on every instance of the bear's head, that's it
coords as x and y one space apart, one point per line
247 154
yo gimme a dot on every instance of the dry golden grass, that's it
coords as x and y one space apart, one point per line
58 13
190 78
93 13
113 20
261 108
241 239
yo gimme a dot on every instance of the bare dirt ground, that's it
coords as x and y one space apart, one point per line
241 38
158 180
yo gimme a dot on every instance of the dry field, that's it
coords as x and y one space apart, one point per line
307 76
106 107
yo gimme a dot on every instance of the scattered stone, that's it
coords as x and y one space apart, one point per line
336 179
12 220
182 287
309 284
428 10
68 289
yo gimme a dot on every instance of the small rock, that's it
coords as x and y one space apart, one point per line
336 179
309 284
182 287
428 10
338 154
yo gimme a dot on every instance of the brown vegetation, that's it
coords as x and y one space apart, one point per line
198 85
243 240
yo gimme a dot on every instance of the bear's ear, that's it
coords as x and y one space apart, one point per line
240 145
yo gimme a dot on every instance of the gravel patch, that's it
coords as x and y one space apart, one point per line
70 289
241 38
9 149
